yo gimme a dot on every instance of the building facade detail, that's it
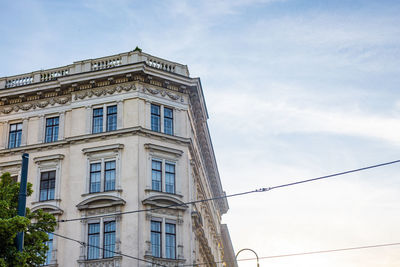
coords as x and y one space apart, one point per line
108 137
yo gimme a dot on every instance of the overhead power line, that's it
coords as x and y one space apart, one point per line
246 259
264 189
108 250
300 254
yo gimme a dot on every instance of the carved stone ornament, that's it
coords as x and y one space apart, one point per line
105 91
162 93
36 104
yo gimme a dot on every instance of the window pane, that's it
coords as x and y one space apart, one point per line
111 118
49 245
109 239
156 238
170 240
97 120
170 178
51 130
47 185
156 175
93 241
155 118
109 176
95 177
15 135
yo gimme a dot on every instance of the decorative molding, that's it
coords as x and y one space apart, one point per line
47 207
36 104
163 200
168 150
100 201
91 150
102 91
48 158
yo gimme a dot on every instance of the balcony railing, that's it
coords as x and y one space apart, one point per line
93 65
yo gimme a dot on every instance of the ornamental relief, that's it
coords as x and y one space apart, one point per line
36 104
95 92
104 91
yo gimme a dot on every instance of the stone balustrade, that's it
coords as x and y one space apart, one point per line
93 65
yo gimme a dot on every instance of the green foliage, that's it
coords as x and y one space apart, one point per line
34 225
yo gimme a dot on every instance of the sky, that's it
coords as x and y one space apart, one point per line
295 89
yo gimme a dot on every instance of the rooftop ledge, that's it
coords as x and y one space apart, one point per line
93 65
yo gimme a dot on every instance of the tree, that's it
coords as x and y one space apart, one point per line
35 226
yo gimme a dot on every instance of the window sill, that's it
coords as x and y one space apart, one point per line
155 192
50 201
111 192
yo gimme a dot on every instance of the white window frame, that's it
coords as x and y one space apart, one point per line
102 162
163 179
165 155
163 221
118 104
103 154
61 124
45 164
162 129
102 220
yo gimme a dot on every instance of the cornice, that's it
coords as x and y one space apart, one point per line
91 89
97 137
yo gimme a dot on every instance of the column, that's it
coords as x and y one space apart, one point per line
24 136
88 119
41 129
120 114
61 126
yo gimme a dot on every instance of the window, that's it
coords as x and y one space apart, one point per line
105 170
97 120
52 125
157 174
168 119
94 240
155 118
170 241
47 185
15 135
49 244
170 178
156 240
109 239
110 116
95 177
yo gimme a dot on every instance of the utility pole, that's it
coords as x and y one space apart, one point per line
22 198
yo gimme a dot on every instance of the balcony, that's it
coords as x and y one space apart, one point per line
93 65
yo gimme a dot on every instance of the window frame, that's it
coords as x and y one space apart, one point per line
101 242
105 117
48 189
162 119
53 137
163 252
163 171
17 136
103 162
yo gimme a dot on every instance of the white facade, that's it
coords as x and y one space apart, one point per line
117 134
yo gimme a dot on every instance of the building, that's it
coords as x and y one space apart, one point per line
117 134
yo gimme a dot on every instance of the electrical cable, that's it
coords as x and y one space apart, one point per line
104 249
298 254
246 259
264 189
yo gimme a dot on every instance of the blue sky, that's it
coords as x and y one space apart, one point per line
295 89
